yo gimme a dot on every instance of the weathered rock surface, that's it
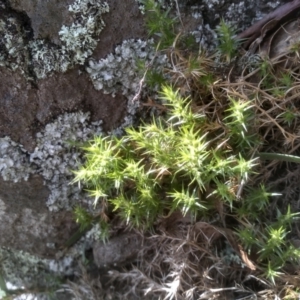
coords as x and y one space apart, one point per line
44 75
122 249
46 17
124 21
18 106
26 224
27 104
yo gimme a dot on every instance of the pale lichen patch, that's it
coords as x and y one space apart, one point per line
54 157
118 72
77 41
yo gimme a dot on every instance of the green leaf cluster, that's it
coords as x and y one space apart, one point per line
270 242
160 24
166 165
227 42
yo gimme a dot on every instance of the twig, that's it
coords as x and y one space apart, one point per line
141 83
179 14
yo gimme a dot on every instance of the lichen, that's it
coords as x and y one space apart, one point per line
14 164
77 42
118 72
54 157
22 269
212 3
13 50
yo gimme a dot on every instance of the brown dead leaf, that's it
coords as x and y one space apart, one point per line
281 40
269 22
246 259
230 236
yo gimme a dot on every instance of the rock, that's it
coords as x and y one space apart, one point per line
73 91
18 107
121 249
46 17
124 21
26 223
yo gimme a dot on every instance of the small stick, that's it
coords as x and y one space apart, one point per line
142 81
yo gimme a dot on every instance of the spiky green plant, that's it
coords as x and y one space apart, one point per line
227 42
162 166
160 24
240 115
269 241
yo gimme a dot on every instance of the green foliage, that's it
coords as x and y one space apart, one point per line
159 23
294 48
289 116
155 79
272 271
286 80
279 157
287 218
269 242
256 201
104 230
227 41
240 115
162 166
186 202
82 217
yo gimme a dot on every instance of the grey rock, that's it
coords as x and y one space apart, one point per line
119 250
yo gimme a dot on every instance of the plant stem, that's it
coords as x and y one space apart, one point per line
279 156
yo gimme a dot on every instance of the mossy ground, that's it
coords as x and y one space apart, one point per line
232 232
